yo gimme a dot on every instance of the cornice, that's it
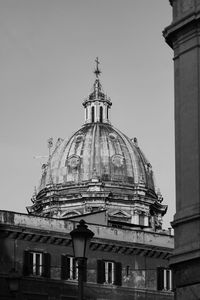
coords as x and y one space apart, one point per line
170 31
185 219
102 245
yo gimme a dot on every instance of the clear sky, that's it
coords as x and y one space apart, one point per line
47 54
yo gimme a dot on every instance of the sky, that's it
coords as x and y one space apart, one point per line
47 54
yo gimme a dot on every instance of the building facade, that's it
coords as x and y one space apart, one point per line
122 263
103 177
183 37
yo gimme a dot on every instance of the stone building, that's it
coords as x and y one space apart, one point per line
182 35
103 177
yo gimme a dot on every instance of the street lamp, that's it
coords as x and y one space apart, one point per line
81 237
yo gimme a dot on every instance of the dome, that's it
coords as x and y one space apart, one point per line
98 150
99 168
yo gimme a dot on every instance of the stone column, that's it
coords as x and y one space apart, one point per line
89 114
183 35
96 112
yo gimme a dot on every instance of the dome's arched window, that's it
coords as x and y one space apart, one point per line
141 219
107 112
92 114
101 114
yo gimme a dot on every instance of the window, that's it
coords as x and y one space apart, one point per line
69 268
141 219
36 263
101 114
164 277
92 114
127 271
109 272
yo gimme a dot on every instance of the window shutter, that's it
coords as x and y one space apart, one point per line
160 279
64 267
74 268
173 280
85 270
100 271
118 273
46 265
28 263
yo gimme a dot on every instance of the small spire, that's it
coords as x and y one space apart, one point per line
50 145
97 72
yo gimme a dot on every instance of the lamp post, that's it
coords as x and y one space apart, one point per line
81 237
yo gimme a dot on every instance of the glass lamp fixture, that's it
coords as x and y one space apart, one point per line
81 237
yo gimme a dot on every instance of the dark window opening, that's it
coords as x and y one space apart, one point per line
92 114
127 271
101 114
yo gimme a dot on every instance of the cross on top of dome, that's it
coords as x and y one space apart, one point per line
97 72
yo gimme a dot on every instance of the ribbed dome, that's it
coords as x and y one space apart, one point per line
98 150
99 168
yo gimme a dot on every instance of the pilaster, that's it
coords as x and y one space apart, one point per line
183 35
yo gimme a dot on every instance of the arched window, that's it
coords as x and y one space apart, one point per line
141 219
101 114
107 112
92 114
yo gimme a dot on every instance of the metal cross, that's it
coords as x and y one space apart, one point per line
97 61
97 72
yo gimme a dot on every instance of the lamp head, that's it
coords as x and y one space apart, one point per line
81 237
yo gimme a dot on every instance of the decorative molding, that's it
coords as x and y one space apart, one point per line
117 160
73 161
100 245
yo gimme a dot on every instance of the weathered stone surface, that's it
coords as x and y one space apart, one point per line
113 245
183 35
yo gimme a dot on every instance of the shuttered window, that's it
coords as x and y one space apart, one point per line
37 263
109 272
164 279
69 268
100 271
